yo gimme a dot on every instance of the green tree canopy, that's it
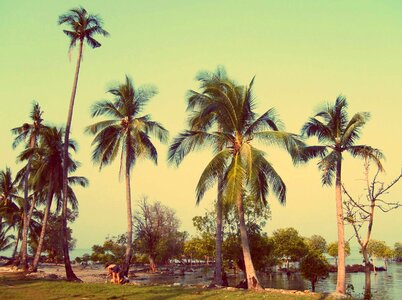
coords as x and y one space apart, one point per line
314 267
289 244
317 243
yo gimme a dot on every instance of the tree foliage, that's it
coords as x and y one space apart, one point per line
111 251
332 249
398 251
314 267
289 244
52 244
156 230
317 243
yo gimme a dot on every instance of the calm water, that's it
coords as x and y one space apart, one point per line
385 285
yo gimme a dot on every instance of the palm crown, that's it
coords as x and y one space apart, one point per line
126 130
83 27
241 164
47 166
337 133
30 131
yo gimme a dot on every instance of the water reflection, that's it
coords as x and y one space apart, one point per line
385 285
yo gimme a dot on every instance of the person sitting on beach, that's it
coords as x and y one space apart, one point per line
114 271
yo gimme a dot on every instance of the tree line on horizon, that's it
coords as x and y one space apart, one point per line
221 118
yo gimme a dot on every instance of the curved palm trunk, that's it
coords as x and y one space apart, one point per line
129 250
67 263
24 242
250 274
219 221
34 267
340 282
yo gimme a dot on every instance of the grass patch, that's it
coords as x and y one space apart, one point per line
51 289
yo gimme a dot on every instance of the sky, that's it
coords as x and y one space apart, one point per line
303 54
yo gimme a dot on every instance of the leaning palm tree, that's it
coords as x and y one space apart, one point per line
30 133
242 166
337 134
83 27
128 133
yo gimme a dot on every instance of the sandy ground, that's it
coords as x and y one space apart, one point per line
93 273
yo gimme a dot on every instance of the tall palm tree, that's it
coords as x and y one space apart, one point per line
83 27
30 133
337 134
242 166
48 174
198 121
128 133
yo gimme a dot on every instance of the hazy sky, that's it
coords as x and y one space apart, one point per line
303 54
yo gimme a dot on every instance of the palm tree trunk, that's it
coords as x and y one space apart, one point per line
129 224
24 242
67 263
16 243
219 238
340 283
251 276
34 267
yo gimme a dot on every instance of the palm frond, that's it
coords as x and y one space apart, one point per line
316 128
328 167
98 126
188 141
352 130
106 108
234 180
215 168
106 143
367 152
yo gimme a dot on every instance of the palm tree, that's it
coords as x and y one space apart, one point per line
242 166
5 238
198 121
30 132
14 218
128 133
48 174
8 198
337 134
83 27
8 189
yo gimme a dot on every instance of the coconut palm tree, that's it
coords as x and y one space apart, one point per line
48 174
337 134
128 133
198 121
83 27
13 215
242 166
8 189
29 133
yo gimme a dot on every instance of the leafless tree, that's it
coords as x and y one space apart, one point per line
360 213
